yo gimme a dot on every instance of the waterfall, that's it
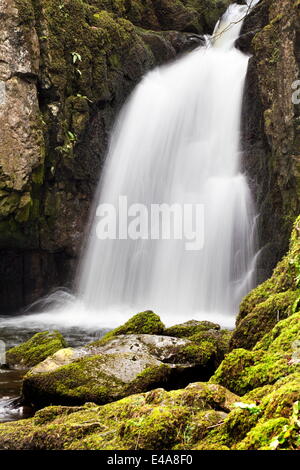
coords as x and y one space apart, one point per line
176 141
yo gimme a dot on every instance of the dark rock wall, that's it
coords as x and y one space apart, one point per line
271 123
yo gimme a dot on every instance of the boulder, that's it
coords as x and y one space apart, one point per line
190 328
132 358
117 367
207 338
274 357
142 323
200 417
155 420
35 350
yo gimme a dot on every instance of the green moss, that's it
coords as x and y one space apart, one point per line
153 420
272 358
26 11
142 323
234 428
275 299
35 350
9 202
149 379
279 402
199 353
190 328
24 210
208 345
76 383
284 277
201 424
263 318
232 370
262 435
200 417
159 429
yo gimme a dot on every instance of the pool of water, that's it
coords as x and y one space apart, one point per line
10 405
12 334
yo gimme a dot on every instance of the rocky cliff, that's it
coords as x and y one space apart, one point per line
271 118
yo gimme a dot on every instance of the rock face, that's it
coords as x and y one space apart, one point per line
66 69
275 299
271 123
59 95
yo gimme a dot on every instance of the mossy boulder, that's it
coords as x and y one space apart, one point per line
263 318
265 419
124 364
190 328
202 416
207 340
142 323
35 350
133 358
153 420
99 378
272 301
263 434
274 357
206 344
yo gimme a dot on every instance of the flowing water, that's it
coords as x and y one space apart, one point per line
176 141
10 406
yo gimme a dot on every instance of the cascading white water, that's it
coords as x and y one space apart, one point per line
176 141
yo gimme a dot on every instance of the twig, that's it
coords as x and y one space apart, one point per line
214 36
